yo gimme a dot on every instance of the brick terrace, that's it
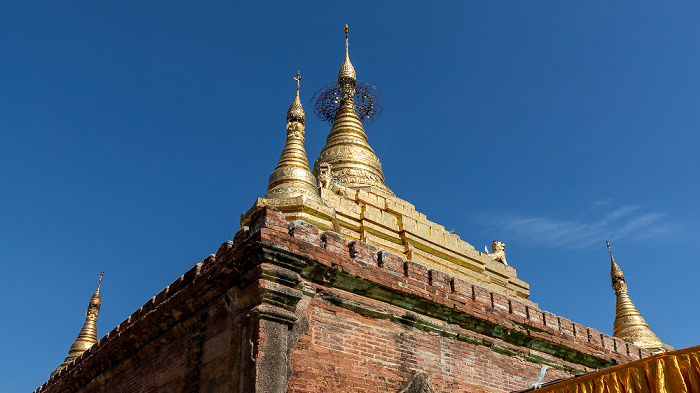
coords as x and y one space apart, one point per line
283 307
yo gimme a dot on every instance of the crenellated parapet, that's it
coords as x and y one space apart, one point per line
435 294
265 278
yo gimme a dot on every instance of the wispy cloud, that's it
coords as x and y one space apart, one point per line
630 221
602 202
621 212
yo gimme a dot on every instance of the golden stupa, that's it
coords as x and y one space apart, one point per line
347 151
292 177
351 198
88 334
629 324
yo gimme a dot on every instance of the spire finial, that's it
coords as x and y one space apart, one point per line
347 74
347 30
96 300
615 272
296 111
609 249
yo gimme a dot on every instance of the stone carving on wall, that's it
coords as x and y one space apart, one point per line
326 180
498 251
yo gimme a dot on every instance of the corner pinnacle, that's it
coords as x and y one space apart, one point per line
629 324
88 334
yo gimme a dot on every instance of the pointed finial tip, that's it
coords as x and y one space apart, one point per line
298 79
347 30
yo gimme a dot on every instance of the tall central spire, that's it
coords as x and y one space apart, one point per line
347 148
629 324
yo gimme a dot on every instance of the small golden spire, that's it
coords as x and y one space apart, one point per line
292 176
347 71
629 324
88 334
347 149
296 111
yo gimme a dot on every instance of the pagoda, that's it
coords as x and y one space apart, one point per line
347 192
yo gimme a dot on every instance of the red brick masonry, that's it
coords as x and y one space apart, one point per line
284 308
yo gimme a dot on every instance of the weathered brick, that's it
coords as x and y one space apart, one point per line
482 296
594 338
363 252
608 342
416 271
499 302
633 351
439 280
620 345
535 315
241 235
566 327
304 231
517 308
580 332
390 262
268 217
462 288
334 242
551 320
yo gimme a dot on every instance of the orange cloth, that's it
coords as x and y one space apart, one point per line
670 372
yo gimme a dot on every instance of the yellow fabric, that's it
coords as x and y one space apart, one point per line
670 372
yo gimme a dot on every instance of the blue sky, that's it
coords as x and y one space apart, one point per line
132 136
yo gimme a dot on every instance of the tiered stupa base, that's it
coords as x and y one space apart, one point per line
393 225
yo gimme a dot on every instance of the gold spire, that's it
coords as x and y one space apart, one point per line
629 324
347 148
292 176
88 334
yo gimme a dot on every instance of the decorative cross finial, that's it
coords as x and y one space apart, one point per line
100 276
298 79
609 249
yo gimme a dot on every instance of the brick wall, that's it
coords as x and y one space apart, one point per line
284 307
346 351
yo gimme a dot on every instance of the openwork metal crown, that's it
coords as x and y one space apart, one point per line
368 102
